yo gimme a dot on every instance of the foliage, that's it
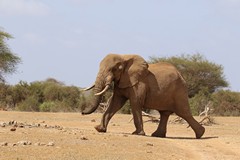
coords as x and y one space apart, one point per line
199 101
29 104
223 102
126 109
49 95
226 103
8 60
46 106
197 71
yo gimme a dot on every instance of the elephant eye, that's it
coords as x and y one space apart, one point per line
120 67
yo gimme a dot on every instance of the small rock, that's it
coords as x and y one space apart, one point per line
42 144
3 144
29 143
10 122
93 120
14 144
13 129
50 144
149 144
58 127
84 138
22 143
37 144
21 125
3 124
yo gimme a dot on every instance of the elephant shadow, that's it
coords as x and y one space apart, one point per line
177 138
193 138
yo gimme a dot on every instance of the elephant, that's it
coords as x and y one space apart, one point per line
158 86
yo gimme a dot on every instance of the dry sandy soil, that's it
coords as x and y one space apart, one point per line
71 136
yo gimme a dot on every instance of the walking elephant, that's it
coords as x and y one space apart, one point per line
147 86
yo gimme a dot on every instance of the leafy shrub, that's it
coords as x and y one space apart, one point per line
199 101
126 109
226 103
30 104
47 107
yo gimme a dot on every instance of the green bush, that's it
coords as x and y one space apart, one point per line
226 103
30 104
48 107
199 101
126 109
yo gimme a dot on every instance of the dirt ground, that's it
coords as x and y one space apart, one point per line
71 136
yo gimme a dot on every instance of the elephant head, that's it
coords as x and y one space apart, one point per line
124 70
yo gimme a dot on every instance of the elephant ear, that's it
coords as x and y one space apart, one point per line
135 68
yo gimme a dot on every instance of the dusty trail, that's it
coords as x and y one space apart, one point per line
74 137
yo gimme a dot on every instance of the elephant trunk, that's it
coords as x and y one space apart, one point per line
101 86
93 105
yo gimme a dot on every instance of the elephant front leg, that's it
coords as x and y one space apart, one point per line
138 121
115 104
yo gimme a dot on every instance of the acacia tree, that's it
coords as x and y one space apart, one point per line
198 72
8 60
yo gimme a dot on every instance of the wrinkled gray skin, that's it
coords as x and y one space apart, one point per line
155 86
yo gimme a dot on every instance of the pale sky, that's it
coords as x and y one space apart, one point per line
66 39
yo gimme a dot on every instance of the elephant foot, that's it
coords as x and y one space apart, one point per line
141 133
200 132
99 128
159 134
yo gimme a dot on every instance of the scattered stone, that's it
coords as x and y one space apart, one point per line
14 144
3 124
93 120
24 143
84 138
14 125
42 144
3 144
125 135
37 144
10 122
58 127
50 144
13 129
149 144
21 125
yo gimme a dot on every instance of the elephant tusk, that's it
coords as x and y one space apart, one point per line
103 91
88 88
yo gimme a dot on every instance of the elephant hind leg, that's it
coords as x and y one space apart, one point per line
183 110
162 126
197 128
